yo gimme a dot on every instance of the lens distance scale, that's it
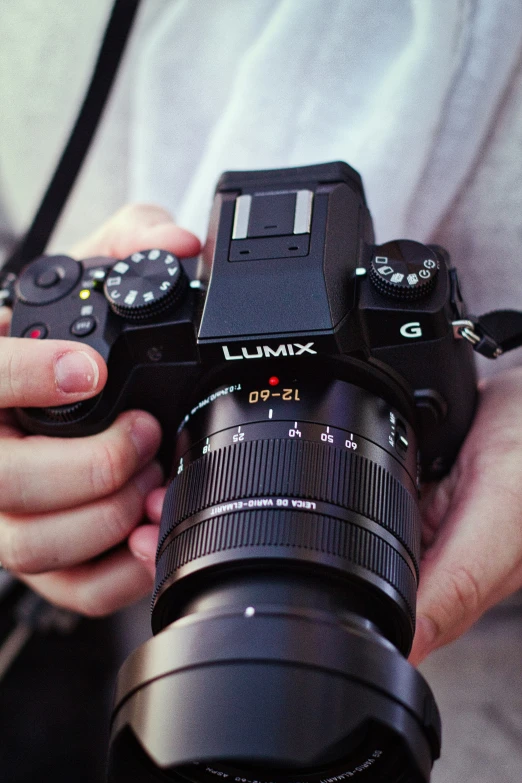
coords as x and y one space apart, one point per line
297 408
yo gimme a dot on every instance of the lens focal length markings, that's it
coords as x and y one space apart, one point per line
297 493
240 464
291 430
308 411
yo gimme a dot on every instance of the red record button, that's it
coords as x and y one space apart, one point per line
36 332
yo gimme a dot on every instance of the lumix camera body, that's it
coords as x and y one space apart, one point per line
312 379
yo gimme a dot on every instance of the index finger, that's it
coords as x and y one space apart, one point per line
40 373
134 227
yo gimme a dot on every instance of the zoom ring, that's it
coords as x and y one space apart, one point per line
295 469
262 530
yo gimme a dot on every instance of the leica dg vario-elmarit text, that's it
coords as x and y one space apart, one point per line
306 380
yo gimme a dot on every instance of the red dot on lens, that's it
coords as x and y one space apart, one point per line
35 334
273 381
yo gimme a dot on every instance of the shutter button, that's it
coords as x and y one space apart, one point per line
83 326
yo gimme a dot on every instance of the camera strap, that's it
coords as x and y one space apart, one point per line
109 57
492 334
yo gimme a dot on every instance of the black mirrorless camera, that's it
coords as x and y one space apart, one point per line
312 378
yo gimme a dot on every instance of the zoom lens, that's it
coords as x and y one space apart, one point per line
285 594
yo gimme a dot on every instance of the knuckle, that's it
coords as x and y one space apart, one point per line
119 516
13 488
19 552
464 596
108 469
24 374
10 375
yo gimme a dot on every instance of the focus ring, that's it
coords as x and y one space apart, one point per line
266 529
300 469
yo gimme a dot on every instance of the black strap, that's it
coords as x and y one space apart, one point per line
504 326
115 37
498 332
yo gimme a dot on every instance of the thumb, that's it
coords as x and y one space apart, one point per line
472 529
138 227
475 562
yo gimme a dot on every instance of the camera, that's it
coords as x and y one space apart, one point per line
306 381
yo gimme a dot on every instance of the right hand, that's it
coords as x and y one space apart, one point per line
68 505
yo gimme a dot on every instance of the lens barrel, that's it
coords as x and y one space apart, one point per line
287 570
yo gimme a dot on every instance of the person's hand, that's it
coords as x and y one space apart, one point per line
67 505
472 536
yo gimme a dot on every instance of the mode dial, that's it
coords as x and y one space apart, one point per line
404 269
145 284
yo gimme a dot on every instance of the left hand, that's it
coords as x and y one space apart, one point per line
67 506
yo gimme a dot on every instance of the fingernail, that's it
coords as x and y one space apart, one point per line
146 435
140 555
76 372
149 478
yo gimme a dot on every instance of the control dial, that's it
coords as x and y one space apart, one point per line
48 279
68 413
404 269
145 284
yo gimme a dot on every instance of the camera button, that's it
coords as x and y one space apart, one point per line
48 278
83 326
401 439
401 444
36 332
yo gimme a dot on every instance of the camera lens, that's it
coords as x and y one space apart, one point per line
287 569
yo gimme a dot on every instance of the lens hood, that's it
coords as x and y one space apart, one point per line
286 696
